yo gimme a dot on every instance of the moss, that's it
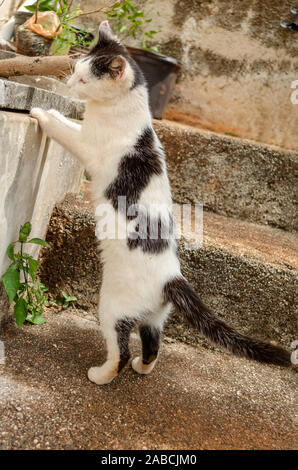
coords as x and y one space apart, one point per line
173 47
198 9
218 65
262 18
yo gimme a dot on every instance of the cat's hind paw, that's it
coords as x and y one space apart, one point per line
102 375
140 368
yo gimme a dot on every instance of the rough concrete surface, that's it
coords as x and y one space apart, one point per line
21 97
73 262
232 176
194 399
46 83
246 273
238 64
34 175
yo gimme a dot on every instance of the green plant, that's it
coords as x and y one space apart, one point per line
20 281
125 17
47 5
128 20
22 285
65 301
69 35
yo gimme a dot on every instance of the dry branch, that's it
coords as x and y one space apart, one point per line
60 66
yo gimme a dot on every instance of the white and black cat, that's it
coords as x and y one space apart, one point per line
142 280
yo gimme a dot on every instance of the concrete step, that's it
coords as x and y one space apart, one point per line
231 176
245 272
194 399
34 174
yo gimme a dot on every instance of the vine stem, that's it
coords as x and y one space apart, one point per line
25 274
36 11
61 6
69 5
104 9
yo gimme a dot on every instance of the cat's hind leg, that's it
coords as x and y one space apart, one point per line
150 337
150 333
117 335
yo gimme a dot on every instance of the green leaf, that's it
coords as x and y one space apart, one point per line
65 295
38 321
10 252
11 281
72 299
39 241
44 5
20 312
59 46
33 267
30 8
25 232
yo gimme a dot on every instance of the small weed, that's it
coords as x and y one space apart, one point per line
23 287
20 281
65 301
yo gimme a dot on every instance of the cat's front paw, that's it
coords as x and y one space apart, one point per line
55 113
40 115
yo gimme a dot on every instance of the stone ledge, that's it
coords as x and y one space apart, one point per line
20 97
35 174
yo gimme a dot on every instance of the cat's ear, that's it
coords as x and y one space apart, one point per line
117 66
105 28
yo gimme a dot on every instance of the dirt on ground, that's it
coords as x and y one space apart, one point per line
194 399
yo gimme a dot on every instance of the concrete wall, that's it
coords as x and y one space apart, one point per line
237 64
35 173
5 9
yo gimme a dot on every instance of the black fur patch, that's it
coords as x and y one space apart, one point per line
123 329
135 171
139 78
179 292
104 52
150 343
151 234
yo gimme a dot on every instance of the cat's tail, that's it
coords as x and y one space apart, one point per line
180 293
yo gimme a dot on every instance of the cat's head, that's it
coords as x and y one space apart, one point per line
107 72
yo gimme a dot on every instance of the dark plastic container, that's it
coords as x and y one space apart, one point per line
160 72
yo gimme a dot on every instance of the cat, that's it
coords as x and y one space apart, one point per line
142 280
